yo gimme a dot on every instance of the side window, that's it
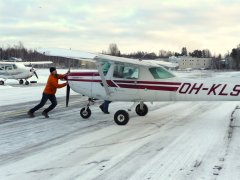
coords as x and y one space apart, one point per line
160 73
126 72
8 67
105 68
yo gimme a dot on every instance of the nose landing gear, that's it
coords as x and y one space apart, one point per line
85 112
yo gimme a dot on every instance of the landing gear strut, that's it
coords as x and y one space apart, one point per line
85 112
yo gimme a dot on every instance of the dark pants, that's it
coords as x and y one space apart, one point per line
44 99
105 105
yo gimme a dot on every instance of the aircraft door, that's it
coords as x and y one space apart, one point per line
125 77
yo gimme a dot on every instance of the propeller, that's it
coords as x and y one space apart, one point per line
33 70
67 90
35 74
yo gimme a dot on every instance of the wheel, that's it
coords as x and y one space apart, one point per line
85 113
20 81
1 82
121 117
26 83
141 112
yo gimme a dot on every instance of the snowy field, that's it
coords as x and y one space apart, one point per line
176 140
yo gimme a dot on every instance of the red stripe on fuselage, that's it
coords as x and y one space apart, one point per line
85 80
83 74
134 85
160 88
147 82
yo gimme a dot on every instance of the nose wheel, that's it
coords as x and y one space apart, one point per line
85 112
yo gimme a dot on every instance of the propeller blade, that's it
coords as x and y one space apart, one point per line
35 74
67 95
68 89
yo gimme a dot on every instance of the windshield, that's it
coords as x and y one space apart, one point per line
105 68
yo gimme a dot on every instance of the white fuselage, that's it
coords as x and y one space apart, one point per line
15 71
146 88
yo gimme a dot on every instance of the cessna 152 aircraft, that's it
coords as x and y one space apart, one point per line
122 79
18 70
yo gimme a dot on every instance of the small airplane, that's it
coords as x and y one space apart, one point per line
18 70
138 81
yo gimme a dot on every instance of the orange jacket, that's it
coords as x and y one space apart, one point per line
52 84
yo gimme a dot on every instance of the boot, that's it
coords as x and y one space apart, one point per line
101 107
30 114
45 114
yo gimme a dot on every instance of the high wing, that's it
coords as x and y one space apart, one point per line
26 63
7 63
37 63
96 58
164 63
72 54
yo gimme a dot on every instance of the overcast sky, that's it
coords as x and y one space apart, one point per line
150 25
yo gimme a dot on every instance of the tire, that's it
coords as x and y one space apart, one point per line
121 117
1 82
141 112
20 81
26 83
85 113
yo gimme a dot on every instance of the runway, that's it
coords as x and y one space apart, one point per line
174 141
13 112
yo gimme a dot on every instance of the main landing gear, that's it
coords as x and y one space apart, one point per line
21 82
121 117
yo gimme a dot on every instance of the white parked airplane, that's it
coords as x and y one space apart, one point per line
18 70
123 79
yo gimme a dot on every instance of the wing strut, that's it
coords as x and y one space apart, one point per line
105 85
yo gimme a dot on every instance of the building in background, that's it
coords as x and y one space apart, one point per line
188 62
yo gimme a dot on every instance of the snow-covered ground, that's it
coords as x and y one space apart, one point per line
176 140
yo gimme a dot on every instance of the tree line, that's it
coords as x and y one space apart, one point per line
19 51
114 51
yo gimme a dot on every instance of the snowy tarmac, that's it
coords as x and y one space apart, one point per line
176 140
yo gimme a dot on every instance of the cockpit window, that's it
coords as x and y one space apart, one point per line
160 73
105 68
126 72
8 67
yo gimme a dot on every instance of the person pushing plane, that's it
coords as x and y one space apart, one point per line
49 93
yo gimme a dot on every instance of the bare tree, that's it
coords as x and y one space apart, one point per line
184 51
113 50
